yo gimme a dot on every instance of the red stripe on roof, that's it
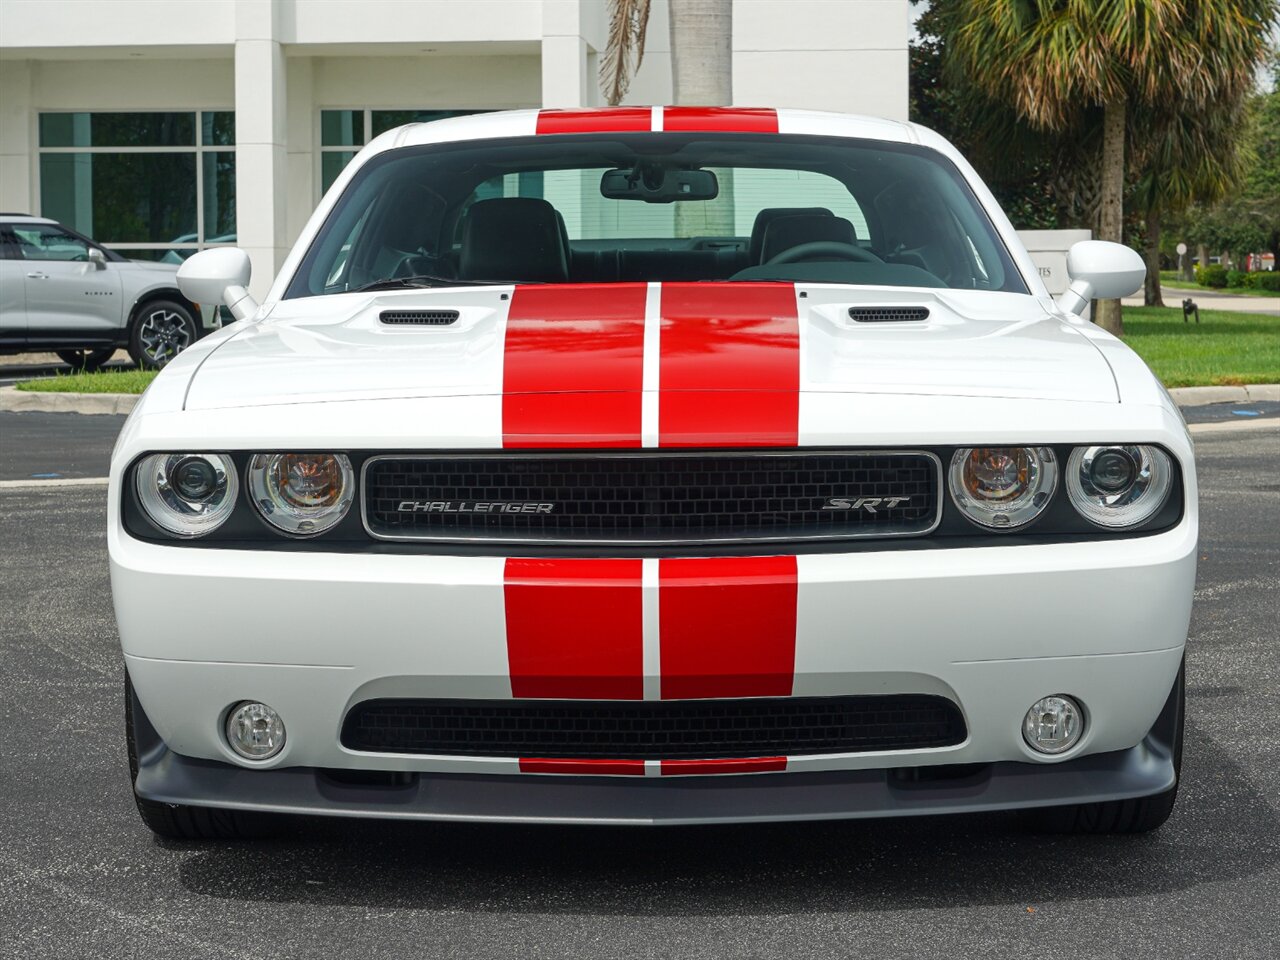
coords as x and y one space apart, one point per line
630 768
613 120
727 627
573 366
574 629
679 768
729 368
721 119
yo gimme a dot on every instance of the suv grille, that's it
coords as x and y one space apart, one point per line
652 498
654 730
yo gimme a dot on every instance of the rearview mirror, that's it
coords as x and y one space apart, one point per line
655 184
1101 270
220 275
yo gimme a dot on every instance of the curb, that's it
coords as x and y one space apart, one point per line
21 401
1196 396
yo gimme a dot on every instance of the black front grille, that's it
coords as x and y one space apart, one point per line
654 730
657 498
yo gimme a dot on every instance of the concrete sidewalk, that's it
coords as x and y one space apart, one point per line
1214 300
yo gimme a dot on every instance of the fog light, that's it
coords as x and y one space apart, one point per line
1053 725
255 731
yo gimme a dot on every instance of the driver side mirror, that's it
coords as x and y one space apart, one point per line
1101 270
97 258
219 275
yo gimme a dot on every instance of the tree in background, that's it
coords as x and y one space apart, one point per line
1057 62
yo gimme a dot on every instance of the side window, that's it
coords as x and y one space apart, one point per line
47 242
8 245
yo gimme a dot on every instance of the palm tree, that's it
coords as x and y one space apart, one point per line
1053 59
701 50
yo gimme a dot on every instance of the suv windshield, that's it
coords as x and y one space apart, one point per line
657 206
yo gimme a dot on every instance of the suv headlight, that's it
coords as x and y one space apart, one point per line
1118 486
1003 487
187 494
302 494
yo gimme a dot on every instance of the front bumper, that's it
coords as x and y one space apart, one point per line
991 628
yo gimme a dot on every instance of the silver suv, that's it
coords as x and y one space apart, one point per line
61 292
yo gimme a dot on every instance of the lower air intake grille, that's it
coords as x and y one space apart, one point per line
653 730
888 314
428 318
661 499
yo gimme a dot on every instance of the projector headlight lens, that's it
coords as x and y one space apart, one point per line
1003 487
1118 486
302 494
187 494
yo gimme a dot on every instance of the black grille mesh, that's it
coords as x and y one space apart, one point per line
430 318
654 730
888 314
663 499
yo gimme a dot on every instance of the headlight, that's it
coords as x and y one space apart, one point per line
1003 487
1118 486
302 494
187 494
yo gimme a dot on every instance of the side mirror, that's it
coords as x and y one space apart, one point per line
1101 270
97 258
220 275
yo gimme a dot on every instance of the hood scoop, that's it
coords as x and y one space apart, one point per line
888 314
423 318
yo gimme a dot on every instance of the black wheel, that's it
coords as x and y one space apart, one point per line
161 330
174 821
1141 814
89 360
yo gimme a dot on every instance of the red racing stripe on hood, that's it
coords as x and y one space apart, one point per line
727 627
573 366
729 367
614 120
575 629
721 119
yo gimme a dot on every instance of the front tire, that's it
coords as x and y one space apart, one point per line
1138 815
174 821
161 330
86 360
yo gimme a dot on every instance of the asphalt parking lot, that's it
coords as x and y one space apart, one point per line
81 877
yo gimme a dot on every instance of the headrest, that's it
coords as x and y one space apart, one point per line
512 238
767 216
787 232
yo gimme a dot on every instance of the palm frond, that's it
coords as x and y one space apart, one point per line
624 48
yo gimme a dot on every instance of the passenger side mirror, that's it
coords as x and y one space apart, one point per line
220 275
97 258
1101 270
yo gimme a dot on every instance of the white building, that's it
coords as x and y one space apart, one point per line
160 127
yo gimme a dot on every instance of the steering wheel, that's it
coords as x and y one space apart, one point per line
827 249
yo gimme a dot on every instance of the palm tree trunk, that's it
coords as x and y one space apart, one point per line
702 75
1151 294
1111 221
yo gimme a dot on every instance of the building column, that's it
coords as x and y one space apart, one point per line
17 149
566 74
261 163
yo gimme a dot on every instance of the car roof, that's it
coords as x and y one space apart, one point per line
24 218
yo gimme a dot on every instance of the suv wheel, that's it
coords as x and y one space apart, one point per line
89 360
161 330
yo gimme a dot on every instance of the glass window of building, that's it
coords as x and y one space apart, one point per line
344 132
154 185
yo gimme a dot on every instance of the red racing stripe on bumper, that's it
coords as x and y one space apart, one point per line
729 365
727 627
720 119
681 768
629 768
616 120
573 366
575 629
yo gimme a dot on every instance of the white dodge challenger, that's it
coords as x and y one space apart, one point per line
654 466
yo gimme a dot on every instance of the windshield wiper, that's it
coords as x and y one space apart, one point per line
427 280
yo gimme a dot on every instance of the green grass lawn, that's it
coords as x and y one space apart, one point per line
106 381
1226 348
1169 278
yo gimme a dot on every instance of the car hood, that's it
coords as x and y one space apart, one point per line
707 337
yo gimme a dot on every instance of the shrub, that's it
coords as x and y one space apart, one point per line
1250 280
1214 275
1237 278
1269 280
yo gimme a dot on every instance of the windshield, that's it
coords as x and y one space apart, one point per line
657 207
